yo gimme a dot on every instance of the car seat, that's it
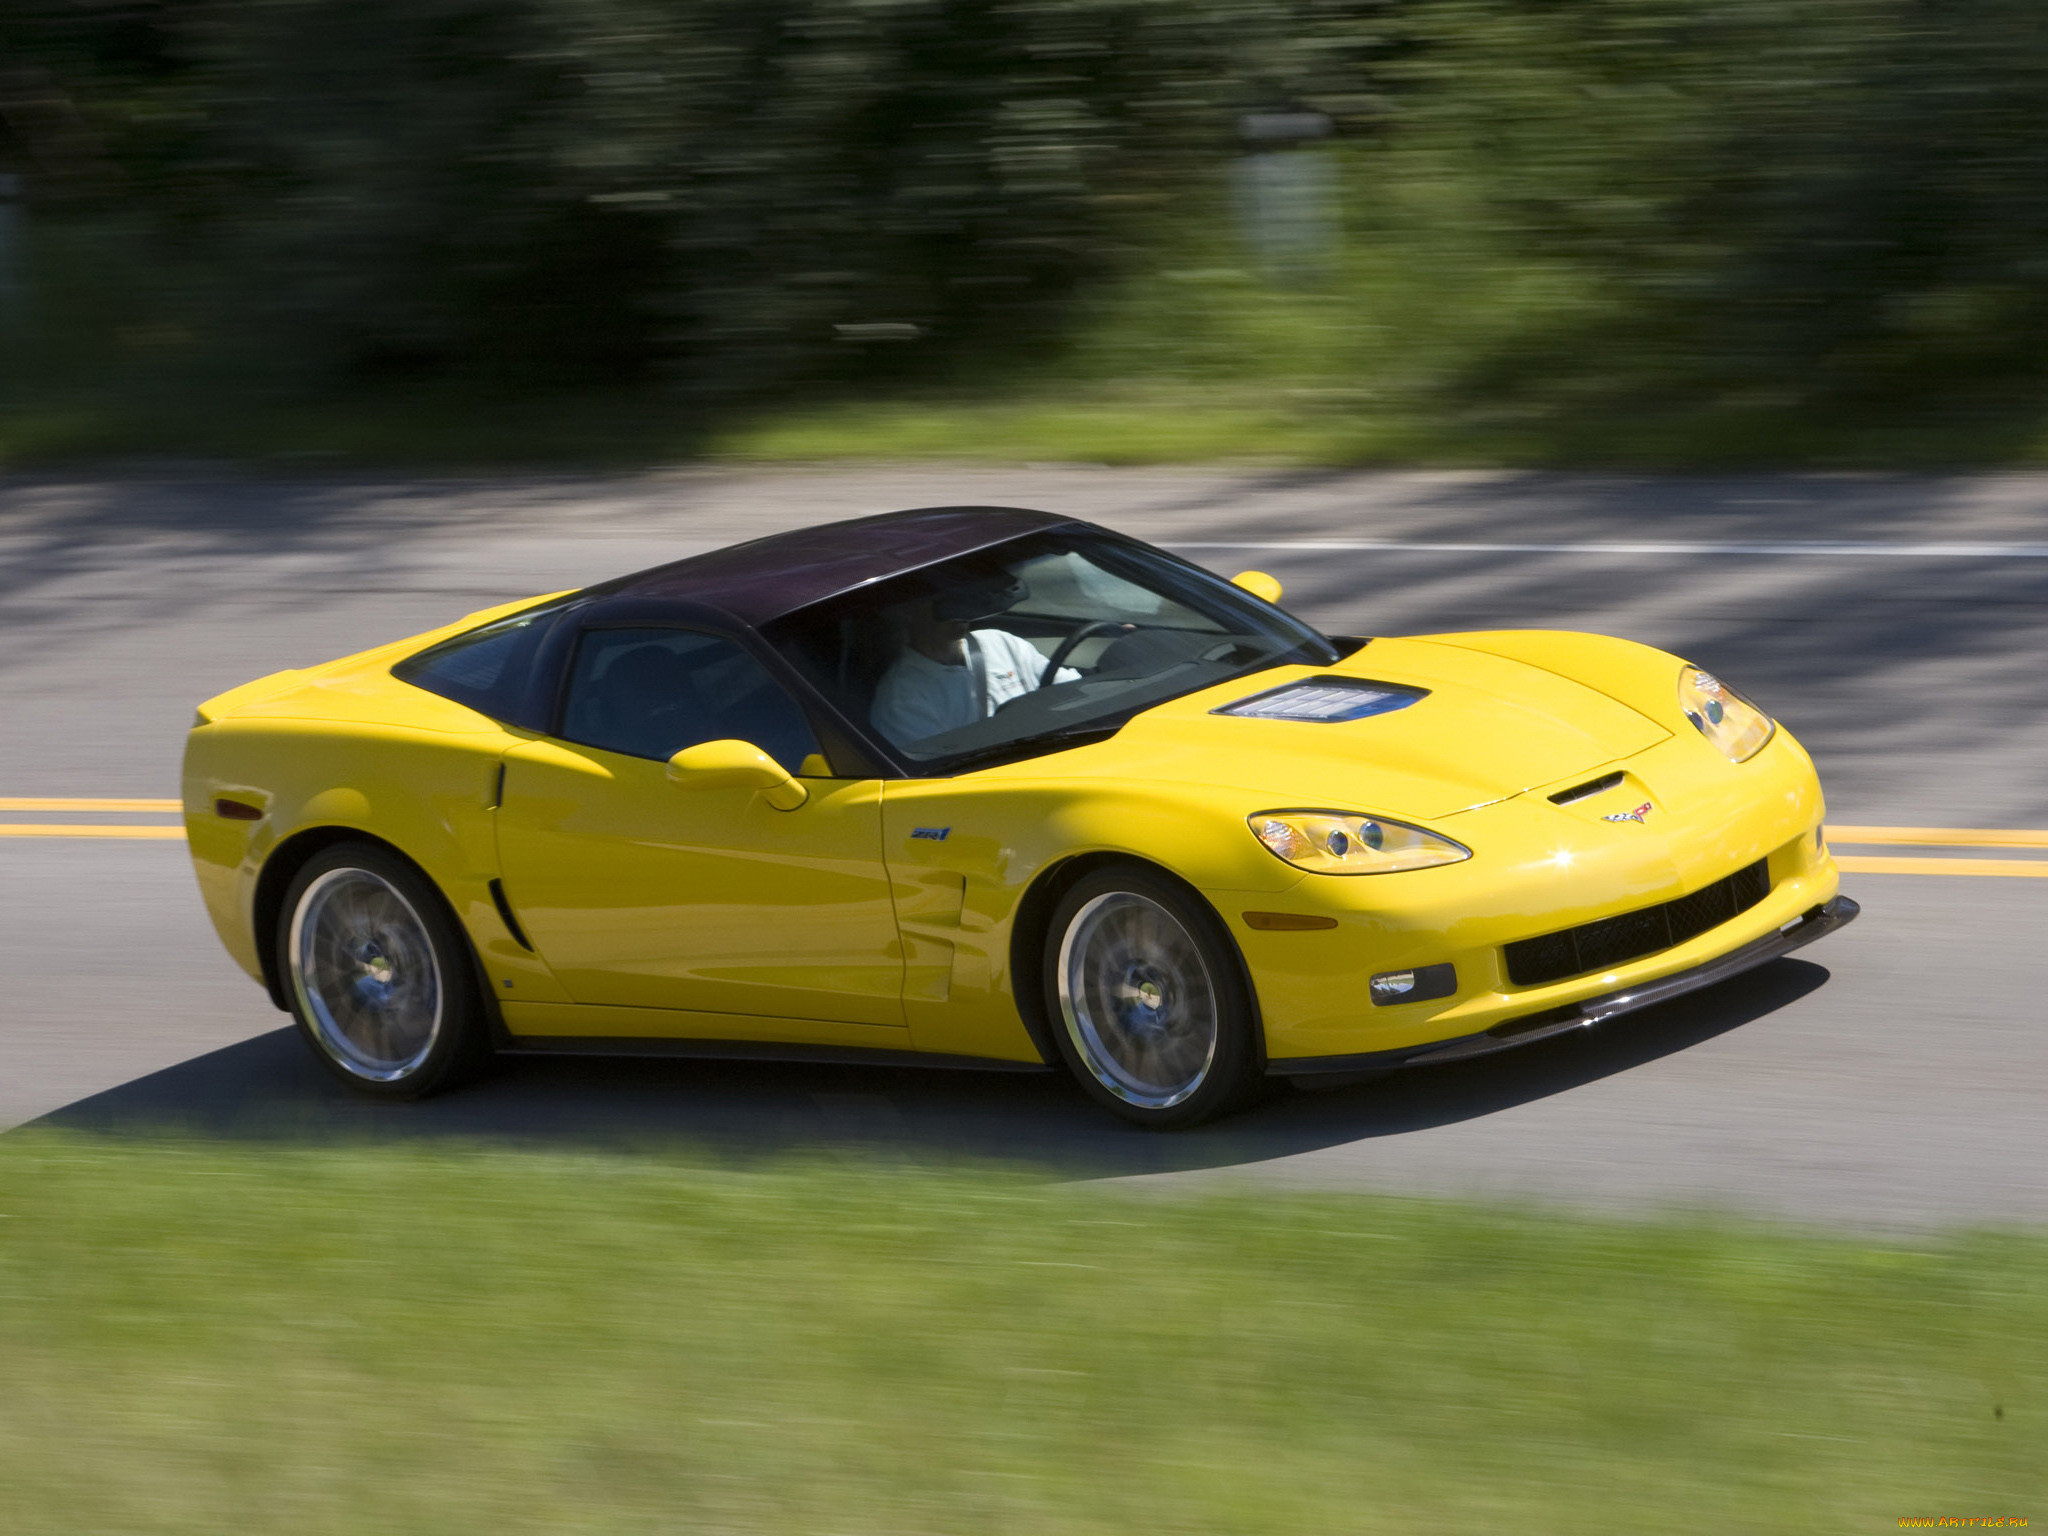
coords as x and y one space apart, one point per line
644 703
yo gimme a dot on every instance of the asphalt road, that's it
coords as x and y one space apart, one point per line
1896 1074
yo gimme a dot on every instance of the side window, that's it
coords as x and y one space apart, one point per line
652 692
486 669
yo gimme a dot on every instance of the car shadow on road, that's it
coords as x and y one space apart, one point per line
269 1090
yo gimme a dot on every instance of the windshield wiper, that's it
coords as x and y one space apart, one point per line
1031 746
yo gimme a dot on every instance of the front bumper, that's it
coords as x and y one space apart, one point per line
1815 923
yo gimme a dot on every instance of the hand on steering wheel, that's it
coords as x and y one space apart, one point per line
1074 637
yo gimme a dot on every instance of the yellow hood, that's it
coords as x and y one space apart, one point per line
1490 728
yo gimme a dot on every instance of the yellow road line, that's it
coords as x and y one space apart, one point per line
45 803
80 829
1871 864
1937 837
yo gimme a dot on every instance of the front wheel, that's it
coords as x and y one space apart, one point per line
1151 1010
380 979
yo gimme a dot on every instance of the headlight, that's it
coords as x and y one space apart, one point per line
1339 843
1723 716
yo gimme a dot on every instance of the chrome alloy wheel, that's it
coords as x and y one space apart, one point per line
366 975
1137 998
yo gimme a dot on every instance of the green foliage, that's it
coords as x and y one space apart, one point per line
1829 202
343 1338
732 193
1621 230
1648 230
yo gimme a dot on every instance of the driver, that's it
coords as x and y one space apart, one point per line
951 674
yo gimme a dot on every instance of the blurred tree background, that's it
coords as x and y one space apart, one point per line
1672 231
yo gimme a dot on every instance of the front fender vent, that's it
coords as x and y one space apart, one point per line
504 905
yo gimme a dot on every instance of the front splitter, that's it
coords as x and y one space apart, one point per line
1552 1022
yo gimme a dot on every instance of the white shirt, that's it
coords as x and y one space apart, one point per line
919 697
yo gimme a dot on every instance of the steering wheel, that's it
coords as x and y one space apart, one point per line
1074 637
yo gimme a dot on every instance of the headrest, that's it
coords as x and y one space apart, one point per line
980 600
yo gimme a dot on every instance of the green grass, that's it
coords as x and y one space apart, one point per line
1128 426
1435 336
197 1339
1328 426
1279 423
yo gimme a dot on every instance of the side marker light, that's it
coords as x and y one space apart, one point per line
1286 922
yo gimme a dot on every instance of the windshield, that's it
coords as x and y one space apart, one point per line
1032 645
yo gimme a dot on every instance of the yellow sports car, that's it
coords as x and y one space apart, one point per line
977 786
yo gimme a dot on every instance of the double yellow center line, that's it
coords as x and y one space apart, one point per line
1986 838
90 806
1936 837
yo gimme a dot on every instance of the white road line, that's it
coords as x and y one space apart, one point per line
1824 550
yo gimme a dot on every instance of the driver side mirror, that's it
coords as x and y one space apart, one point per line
736 765
1259 584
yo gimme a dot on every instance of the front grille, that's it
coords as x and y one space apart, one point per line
1611 940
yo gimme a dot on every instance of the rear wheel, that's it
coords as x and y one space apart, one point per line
380 979
1151 1010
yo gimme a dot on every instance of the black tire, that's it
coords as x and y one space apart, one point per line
382 982
1147 1000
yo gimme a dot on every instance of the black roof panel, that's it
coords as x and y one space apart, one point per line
763 579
